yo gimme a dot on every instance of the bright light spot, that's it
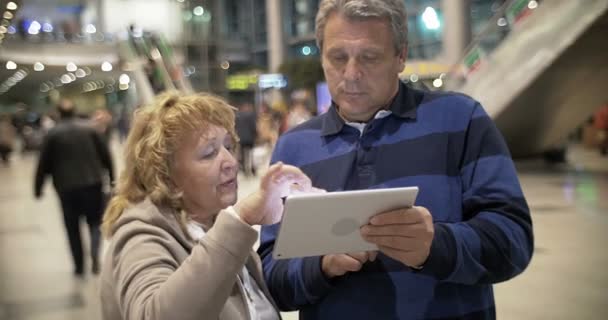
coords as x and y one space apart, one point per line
106 66
47 27
38 66
80 73
437 83
72 76
124 79
532 4
34 27
3 29
430 19
7 15
71 67
180 1
123 86
198 11
501 22
10 65
306 50
12 30
11 6
155 54
65 79
90 29
414 78
225 65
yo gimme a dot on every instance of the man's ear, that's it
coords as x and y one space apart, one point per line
402 58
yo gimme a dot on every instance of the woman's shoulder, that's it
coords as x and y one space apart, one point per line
147 219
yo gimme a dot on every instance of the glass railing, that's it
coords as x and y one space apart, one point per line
506 19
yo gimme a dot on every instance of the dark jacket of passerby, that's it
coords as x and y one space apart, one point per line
246 127
74 154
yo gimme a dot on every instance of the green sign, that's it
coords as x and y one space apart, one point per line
517 10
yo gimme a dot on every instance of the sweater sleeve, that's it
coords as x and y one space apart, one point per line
150 284
494 241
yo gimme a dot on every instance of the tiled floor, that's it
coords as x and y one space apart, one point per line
566 279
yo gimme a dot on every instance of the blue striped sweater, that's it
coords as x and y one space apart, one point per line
445 144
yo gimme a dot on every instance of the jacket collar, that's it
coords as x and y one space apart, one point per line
403 105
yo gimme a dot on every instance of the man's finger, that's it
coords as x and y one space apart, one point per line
394 242
347 262
400 216
401 230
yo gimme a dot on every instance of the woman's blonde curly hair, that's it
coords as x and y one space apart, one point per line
154 137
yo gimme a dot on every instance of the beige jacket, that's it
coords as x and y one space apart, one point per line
153 271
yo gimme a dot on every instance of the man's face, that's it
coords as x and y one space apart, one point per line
361 66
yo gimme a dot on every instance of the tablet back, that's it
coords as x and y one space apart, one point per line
324 223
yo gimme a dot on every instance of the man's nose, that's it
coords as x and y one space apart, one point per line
352 70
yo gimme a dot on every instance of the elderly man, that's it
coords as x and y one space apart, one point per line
471 227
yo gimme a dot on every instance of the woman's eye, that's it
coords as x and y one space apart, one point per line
209 154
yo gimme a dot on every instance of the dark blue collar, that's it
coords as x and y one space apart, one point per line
403 105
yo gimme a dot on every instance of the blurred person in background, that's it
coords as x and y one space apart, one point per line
102 122
180 243
8 135
298 114
600 121
76 158
246 129
471 226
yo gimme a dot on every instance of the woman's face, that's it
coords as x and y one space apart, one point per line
205 171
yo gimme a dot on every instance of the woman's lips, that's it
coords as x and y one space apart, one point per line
229 184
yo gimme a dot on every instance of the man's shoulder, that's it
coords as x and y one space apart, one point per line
452 98
312 126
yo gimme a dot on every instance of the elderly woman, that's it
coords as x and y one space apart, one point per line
181 244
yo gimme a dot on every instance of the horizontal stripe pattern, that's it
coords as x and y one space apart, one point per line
445 144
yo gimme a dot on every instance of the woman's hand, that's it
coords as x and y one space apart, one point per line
265 206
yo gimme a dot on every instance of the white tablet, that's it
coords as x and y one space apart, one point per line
324 223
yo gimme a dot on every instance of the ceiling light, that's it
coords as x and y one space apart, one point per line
38 66
10 65
124 79
80 73
106 66
71 67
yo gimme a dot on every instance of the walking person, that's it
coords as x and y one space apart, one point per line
76 158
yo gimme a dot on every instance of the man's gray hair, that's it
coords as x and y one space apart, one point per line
391 10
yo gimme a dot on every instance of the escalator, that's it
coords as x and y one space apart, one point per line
153 64
539 69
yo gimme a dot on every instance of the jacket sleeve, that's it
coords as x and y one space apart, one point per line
293 283
104 154
494 241
150 284
45 159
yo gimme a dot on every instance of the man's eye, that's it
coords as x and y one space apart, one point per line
338 58
370 58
